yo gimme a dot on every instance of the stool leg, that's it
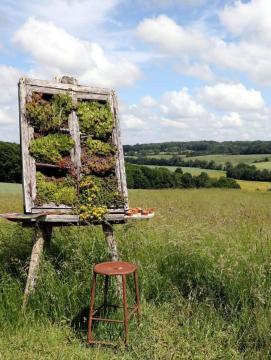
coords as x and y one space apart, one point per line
125 309
91 309
106 281
137 295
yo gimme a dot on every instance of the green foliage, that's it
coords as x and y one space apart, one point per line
99 148
10 160
49 115
97 195
95 119
51 148
143 177
59 191
226 183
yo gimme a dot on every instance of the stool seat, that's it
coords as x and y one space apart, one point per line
114 268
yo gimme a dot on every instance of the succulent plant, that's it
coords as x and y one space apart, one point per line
99 148
59 191
45 115
51 148
95 119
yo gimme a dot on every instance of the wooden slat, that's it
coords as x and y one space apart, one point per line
75 134
26 135
121 165
70 87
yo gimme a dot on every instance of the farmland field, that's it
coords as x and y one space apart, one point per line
221 159
205 279
263 165
8 188
194 171
234 159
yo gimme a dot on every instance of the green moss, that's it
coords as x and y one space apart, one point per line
99 148
95 119
58 191
46 115
51 148
97 195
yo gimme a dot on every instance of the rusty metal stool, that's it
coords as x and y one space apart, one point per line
116 268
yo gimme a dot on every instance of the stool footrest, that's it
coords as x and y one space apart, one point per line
107 320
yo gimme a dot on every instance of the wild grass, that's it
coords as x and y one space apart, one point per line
205 281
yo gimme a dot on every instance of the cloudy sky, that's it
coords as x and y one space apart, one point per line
184 69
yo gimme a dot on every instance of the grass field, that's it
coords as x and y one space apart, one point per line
222 159
234 159
194 171
7 188
205 280
263 165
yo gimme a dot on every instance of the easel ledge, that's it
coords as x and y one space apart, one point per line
65 219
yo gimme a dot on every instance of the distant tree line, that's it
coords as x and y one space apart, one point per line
247 172
143 177
200 148
175 161
10 162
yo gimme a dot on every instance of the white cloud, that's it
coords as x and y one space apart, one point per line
233 119
57 52
171 3
9 122
180 104
73 15
178 116
148 101
132 122
196 49
9 77
232 97
248 19
170 37
198 70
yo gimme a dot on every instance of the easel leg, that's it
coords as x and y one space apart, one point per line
113 251
42 234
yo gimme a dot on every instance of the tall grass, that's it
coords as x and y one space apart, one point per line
205 281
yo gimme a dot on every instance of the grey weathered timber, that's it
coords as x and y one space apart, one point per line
62 219
113 251
42 234
121 165
75 134
26 135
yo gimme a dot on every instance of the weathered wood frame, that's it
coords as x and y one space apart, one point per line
26 87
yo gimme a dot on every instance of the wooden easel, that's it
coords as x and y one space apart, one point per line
43 225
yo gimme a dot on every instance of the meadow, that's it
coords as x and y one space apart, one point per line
222 159
205 281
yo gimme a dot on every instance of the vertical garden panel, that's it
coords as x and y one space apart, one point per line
62 151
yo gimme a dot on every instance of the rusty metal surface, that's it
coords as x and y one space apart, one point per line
113 269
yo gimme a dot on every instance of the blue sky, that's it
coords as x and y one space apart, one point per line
184 69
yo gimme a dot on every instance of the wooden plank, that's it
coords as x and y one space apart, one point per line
75 134
26 135
41 234
70 87
121 165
